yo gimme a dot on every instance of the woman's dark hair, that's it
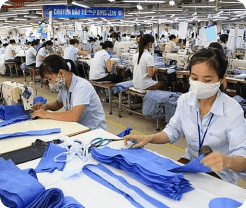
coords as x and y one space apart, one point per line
5 44
214 58
12 41
107 44
182 41
49 42
172 37
144 40
73 41
34 42
217 46
224 38
53 63
116 36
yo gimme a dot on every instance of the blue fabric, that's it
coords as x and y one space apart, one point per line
224 203
8 112
239 71
70 202
148 168
241 101
120 179
122 86
125 132
18 189
31 172
195 166
47 163
50 198
31 133
14 120
160 104
39 99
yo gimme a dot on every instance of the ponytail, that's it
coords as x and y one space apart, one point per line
144 40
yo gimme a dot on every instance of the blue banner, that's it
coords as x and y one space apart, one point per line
80 12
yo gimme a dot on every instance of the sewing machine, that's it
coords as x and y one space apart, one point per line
13 93
182 59
236 64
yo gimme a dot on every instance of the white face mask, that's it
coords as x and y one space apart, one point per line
203 90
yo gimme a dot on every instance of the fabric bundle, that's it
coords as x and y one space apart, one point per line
8 112
148 168
122 86
19 189
14 120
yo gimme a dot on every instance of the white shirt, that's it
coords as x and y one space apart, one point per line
169 46
42 52
71 52
81 92
8 52
226 132
2 50
141 80
98 68
31 56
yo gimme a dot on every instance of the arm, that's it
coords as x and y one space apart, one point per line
71 115
83 53
41 58
109 65
151 71
142 140
55 106
14 52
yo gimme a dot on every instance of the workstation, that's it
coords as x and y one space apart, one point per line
78 112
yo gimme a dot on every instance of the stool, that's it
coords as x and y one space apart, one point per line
11 65
107 85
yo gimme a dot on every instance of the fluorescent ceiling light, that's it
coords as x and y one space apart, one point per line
31 16
144 1
230 2
18 18
139 7
9 21
8 3
40 3
141 12
27 9
79 4
198 6
168 10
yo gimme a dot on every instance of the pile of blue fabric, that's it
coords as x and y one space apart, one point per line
122 86
160 104
146 167
21 189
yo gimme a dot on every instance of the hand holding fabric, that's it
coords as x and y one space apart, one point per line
38 106
216 161
40 113
141 140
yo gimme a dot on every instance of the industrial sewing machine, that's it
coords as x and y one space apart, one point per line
236 64
13 93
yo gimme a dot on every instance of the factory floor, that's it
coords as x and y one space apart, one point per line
116 124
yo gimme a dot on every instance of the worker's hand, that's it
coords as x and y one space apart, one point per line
41 113
38 106
141 140
216 161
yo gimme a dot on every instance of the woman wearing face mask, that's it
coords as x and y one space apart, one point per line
206 116
101 66
144 68
76 95
43 52
31 54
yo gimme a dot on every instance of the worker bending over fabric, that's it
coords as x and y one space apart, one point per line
43 52
206 116
31 54
76 94
144 68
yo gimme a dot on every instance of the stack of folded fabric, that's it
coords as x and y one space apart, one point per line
122 86
21 190
148 168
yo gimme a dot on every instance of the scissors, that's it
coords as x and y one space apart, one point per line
100 142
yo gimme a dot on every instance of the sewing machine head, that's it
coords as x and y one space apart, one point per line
13 93
236 64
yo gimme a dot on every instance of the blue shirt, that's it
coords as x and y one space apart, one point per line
81 92
71 52
226 132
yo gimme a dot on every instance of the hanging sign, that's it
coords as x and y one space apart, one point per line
80 12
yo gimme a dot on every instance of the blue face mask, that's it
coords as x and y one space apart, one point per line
110 52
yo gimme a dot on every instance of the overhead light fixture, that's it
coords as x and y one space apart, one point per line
172 15
8 3
211 0
172 3
231 2
141 12
168 10
144 1
79 4
199 6
194 14
31 16
139 7
46 3
19 18
111 0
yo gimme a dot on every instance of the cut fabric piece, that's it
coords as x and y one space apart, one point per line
194 166
8 112
117 183
70 202
30 172
31 133
14 120
47 162
148 168
224 203
18 189
50 198
122 86
40 99
125 132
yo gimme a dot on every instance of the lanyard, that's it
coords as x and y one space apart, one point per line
199 131
68 101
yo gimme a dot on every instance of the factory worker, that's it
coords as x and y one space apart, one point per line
43 52
206 116
144 68
72 51
31 54
10 51
2 49
76 95
101 66
170 44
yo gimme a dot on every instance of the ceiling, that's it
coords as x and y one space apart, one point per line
17 14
